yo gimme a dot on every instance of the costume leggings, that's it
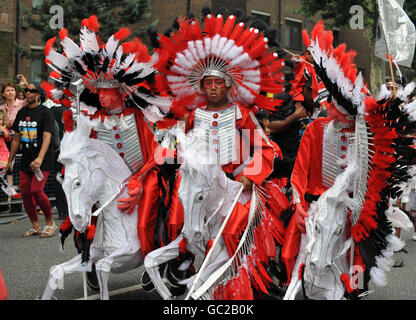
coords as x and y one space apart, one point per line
33 195
148 207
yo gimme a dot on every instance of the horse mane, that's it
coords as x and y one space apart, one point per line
196 155
77 145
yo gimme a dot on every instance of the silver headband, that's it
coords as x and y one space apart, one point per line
219 74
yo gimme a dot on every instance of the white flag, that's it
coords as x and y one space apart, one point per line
396 34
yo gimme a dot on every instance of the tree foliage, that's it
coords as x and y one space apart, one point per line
112 15
338 14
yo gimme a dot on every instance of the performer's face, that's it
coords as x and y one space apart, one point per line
215 89
308 56
110 98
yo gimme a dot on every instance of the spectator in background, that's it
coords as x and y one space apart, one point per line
21 82
34 126
12 105
21 95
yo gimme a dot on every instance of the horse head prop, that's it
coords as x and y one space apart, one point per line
88 162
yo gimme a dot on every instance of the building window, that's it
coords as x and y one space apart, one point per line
38 68
293 35
265 16
36 3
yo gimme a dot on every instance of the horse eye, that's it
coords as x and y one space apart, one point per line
77 183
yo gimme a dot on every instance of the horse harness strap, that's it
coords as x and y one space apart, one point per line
120 189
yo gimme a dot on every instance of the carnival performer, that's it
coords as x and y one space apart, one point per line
323 156
217 73
125 95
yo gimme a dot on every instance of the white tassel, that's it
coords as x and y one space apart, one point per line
233 53
227 47
200 49
214 44
181 70
207 45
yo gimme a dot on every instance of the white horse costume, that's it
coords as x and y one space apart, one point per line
95 173
323 248
207 196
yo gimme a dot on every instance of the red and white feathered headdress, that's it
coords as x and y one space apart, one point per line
337 70
114 64
383 152
237 53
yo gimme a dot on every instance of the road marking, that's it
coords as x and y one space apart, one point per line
115 292
118 291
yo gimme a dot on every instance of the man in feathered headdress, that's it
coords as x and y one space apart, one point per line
216 74
356 131
124 94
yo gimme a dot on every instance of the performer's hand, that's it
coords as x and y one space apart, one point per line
247 183
129 204
300 215
300 110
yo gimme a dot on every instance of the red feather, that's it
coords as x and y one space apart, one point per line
256 279
258 48
55 75
122 34
68 121
183 246
306 40
66 225
228 26
91 232
318 31
238 29
346 280
93 24
63 33
47 87
209 25
219 24
49 45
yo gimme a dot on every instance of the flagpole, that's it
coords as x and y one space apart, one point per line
381 16
392 75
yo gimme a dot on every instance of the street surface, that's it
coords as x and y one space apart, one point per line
25 264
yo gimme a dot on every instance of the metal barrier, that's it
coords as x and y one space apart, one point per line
49 186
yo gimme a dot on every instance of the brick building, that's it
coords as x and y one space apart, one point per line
278 13
15 33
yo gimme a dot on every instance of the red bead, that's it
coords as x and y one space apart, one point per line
215 132
343 156
343 148
215 115
215 123
343 138
343 167
115 128
121 154
117 136
215 141
119 145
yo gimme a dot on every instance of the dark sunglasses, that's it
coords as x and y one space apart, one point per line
31 90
